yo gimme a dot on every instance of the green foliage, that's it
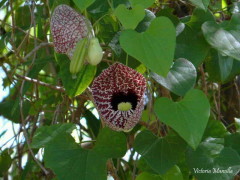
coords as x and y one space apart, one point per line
148 48
74 161
191 43
143 3
75 86
203 4
10 109
47 134
173 174
180 79
214 158
188 117
189 53
224 37
161 154
5 162
129 18
83 4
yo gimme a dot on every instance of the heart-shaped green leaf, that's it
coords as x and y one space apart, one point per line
155 47
180 79
129 17
213 161
72 160
158 152
224 37
187 117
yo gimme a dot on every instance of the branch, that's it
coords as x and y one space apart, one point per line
204 83
112 170
41 45
57 88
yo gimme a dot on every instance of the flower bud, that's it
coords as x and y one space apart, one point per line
95 53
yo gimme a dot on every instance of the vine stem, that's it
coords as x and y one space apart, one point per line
57 88
238 94
41 45
204 83
95 23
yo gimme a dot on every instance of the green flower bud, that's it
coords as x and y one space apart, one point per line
95 53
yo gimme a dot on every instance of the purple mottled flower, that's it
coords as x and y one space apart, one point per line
68 27
118 93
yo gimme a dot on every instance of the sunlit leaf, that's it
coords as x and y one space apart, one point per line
188 117
155 47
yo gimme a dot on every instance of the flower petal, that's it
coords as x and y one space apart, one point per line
67 27
126 83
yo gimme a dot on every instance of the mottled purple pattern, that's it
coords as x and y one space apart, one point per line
118 78
67 27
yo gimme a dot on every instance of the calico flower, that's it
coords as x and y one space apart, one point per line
68 27
118 93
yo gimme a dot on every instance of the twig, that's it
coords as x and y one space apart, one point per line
219 101
112 170
30 149
134 168
23 120
145 124
238 95
20 29
204 83
57 88
41 45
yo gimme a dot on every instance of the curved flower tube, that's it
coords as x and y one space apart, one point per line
68 27
118 93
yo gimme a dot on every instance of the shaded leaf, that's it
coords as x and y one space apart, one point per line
143 3
10 109
38 65
111 143
173 174
161 154
232 141
73 161
203 4
224 37
212 158
92 122
47 134
168 12
215 129
83 4
23 17
191 43
145 23
5 162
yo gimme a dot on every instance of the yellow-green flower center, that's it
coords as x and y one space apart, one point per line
124 106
